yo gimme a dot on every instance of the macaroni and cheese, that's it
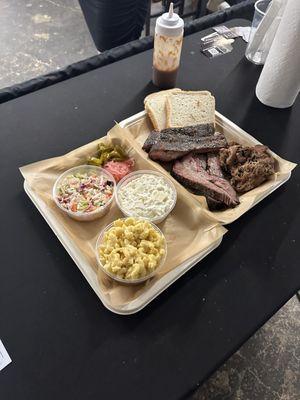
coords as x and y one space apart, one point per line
131 248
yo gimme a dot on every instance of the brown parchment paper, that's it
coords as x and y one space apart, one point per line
189 229
139 131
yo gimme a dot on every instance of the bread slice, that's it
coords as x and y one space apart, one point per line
155 105
190 108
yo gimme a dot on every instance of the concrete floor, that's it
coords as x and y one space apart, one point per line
40 36
37 37
267 366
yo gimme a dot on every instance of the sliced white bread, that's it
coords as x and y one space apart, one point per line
155 105
187 108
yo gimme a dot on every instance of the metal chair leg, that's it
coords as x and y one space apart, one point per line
181 7
201 8
148 19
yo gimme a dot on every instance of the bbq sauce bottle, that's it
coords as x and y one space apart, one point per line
167 49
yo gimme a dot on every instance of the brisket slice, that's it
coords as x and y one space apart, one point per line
193 130
213 165
190 131
166 155
212 203
190 172
150 141
170 147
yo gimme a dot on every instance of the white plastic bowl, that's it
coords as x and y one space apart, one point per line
79 215
133 175
129 281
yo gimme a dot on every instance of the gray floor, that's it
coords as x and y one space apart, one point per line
267 367
37 37
40 36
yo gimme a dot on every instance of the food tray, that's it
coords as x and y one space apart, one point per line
84 262
91 276
231 129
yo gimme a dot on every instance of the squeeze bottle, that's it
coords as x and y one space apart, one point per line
167 49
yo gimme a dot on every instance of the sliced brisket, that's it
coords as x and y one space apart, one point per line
165 155
212 203
194 130
180 145
213 165
190 172
150 141
178 137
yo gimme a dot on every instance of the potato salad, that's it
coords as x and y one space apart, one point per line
147 196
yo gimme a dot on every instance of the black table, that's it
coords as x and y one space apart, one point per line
63 342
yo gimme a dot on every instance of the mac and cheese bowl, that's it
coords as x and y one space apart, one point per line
131 250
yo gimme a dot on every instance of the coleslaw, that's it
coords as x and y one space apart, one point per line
84 192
